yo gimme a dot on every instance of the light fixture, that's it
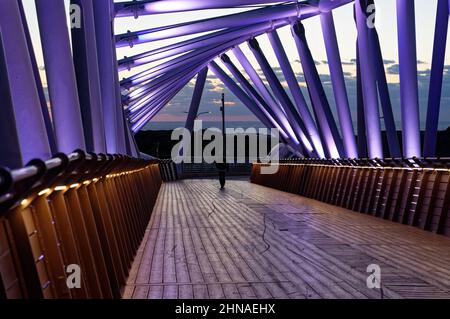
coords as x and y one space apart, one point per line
24 202
44 192
60 188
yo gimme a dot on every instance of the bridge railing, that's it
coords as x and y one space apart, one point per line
70 226
413 192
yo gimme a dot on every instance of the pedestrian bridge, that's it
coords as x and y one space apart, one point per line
358 209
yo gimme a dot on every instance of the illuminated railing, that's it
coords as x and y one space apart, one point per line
76 219
413 192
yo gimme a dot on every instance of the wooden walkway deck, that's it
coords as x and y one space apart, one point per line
254 242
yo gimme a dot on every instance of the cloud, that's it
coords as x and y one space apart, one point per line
394 69
237 111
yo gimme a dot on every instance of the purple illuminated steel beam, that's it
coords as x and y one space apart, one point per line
39 86
368 80
105 56
229 21
161 94
24 95
385 99
121 134
157 107
60 73
296 92
242 96
409 94
138 91
196 98
252 93
136 9
327 126
295 120
88 78
148 89
262 89
196 43
338 83
437 70
10 155
203 53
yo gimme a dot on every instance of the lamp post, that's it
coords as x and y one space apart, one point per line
222 109
222 167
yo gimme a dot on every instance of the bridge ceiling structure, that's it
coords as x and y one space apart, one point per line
94 110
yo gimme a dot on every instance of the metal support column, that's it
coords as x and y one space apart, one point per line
262 89
253 94
437 71
196 98
385 99
60 73
37 77
338 82
241 95
296 92
88 78
283 98
325 119
25 99
408 78
369 89
104 37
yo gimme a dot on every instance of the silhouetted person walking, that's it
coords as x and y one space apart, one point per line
222 168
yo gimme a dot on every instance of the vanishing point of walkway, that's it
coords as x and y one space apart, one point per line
250 241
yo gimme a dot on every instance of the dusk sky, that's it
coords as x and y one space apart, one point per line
346 31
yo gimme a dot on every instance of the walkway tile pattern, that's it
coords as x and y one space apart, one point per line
250 241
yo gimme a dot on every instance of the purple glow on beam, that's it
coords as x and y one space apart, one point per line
368 79
168 6
240 94
409 90
262 89
103 33
436 78
229 21
328 5
88 79
296 92
215 38
60 75
203 54
24 96
264 109
338 82
146 89
280 93
329 133
157 98
196 98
